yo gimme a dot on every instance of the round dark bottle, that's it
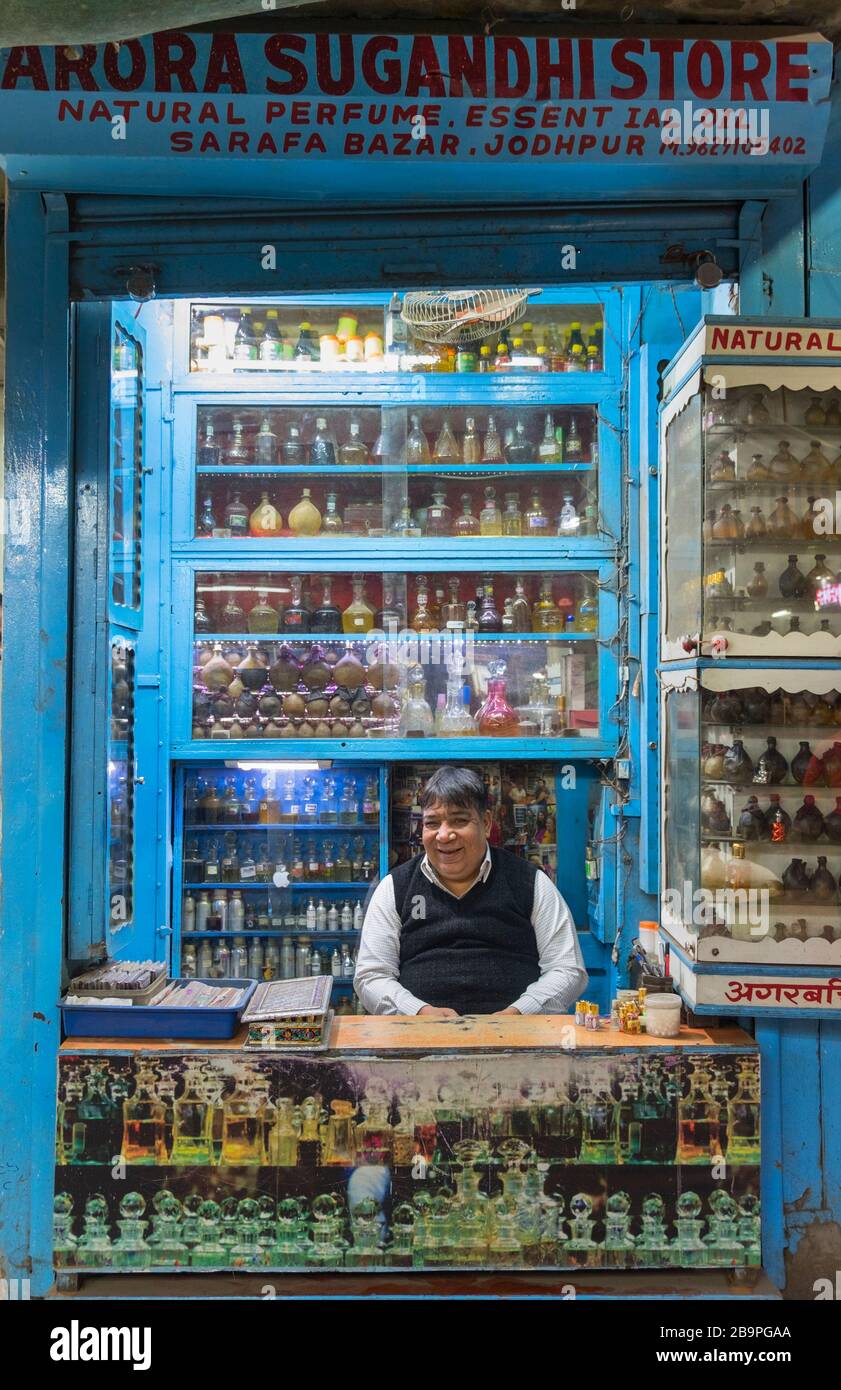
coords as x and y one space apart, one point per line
808 821
772 766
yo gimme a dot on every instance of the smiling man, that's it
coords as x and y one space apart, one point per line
463 928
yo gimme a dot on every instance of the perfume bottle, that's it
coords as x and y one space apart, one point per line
573 443
446 450
206 521
236 452
743 1116
192 1140
326 618
495 718
490 517
471 444
545 615
130 1250
331 522
456 720
236 515
580 1247
416 720
417 445
783 523
619 1244
489 619
512 517
94 1249
698 1121
208 452
492 449
688 1247
243 1113
653 1250
453 610
389 618
439 516
231 619
569 522
143 1121
292 451
466 524
521 608
521 449
358 617
354 452
548 450
536 518
323 446
265 445
305 518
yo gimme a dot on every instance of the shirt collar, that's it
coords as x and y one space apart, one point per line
482 875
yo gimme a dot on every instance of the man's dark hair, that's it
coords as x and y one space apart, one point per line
455 786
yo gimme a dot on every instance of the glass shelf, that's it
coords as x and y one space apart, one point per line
361 339
750 480
752 816
388 680
299 472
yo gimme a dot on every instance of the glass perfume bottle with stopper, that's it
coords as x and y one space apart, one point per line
495 718
416 719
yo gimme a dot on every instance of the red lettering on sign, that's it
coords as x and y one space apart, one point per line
628 68
100 111
80 68
315 142
66 108
814 342
793 341
278 58
586 78
424 69
636 144
773 342
720 338
387 84
525 117
209 142
744 76
111 65
467 67
831 344
504 50
666 50
325 113
354 143
181 141
207 112
334 86
170 63
559 71
224 68
698 52
738 339
238 140
789 71
25 63
266 144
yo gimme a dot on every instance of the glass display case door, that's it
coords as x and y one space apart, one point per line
113 875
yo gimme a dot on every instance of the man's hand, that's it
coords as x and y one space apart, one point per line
509 1010
429 1011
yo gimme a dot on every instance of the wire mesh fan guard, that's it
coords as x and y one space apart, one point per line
463 316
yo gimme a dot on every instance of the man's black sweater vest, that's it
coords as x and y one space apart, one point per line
474 954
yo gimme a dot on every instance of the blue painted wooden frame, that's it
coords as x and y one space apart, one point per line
33 769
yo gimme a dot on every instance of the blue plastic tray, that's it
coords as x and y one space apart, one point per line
147 1021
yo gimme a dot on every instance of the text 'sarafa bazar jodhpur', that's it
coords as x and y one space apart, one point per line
388 407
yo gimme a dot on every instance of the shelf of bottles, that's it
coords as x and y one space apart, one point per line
565 1162
364 339
126 467
322 656
752 802
521 798
276 863
121 785
770 564
337 472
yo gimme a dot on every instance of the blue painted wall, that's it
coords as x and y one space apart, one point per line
793 267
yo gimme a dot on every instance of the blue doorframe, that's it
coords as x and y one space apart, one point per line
33 778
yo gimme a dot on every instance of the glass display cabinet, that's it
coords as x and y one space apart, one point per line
319 656
468 471
274 861
368 335
750 467
751 841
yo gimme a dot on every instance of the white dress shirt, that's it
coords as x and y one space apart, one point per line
562 978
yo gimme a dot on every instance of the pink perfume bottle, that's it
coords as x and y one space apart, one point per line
495 718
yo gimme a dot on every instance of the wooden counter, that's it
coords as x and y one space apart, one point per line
401 1034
